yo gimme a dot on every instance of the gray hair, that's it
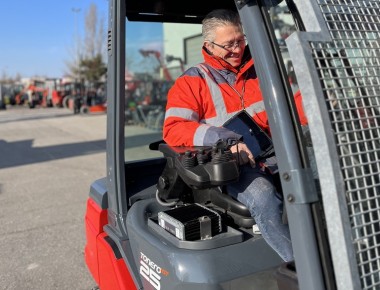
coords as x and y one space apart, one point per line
217 18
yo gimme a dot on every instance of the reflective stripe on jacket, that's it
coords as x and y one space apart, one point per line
206 96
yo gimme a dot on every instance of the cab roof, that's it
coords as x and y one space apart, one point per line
173 10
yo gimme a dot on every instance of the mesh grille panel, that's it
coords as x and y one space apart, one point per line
349 71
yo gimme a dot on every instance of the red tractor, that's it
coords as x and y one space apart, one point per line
33 93
81 99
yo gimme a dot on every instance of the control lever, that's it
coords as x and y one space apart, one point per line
197 167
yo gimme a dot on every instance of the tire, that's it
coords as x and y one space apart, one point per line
84 110
65 102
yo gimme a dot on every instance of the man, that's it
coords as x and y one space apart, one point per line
209 94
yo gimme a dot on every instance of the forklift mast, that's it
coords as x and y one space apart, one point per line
329 169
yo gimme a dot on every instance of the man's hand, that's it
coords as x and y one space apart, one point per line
242 154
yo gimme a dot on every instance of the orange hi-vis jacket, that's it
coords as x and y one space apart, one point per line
207 95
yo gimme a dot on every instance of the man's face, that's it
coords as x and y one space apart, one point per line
229 44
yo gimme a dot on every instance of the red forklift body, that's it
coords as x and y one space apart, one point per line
101 256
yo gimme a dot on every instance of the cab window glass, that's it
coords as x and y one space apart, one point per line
155 57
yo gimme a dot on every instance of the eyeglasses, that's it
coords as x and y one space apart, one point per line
232 45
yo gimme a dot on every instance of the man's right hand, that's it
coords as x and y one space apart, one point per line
243 154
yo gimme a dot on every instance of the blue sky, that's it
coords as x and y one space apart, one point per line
37 36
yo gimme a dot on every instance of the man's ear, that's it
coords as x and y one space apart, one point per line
208 46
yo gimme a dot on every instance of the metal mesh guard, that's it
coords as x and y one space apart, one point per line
348 68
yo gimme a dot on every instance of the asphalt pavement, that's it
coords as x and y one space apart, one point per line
48 160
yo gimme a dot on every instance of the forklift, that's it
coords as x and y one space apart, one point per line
163 223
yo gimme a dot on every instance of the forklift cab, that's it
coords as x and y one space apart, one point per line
140 217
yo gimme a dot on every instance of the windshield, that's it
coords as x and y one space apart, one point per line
152 67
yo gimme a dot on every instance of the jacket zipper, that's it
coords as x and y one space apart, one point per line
241 96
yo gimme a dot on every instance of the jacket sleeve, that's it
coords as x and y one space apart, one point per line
186 103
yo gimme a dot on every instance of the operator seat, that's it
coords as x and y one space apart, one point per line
198 175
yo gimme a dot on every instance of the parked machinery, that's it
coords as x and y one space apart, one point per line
2 97
147 96
83 99
35 90
56 93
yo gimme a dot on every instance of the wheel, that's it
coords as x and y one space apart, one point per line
65 101
84 110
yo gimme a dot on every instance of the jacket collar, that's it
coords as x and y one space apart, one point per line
220 64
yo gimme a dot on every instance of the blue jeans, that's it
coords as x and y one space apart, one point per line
256 191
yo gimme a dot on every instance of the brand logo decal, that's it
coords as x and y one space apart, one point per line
151 271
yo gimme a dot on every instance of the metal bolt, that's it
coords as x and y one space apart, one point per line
286 176
290 198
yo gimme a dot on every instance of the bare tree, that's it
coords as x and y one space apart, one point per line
5 78
88 54
75 51
94 37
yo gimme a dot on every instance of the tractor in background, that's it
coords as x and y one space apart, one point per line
82 99
147 94
34 93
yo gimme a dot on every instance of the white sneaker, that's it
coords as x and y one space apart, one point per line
256 230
